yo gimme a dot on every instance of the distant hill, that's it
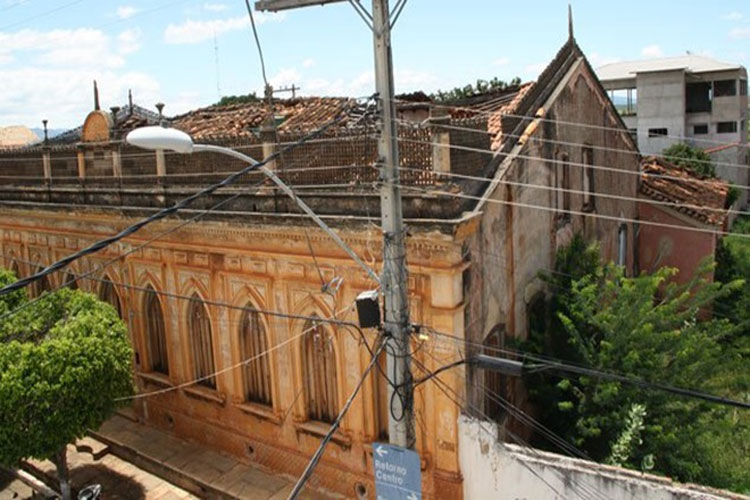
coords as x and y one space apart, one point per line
17 136
51 132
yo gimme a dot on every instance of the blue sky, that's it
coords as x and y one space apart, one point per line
164 49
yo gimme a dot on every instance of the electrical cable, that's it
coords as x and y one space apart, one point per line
336 423
41 14
565 122
185 202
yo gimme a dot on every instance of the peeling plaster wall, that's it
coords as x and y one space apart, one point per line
501 471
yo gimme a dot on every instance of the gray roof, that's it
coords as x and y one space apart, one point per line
690 63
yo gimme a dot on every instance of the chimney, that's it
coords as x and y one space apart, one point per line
114 110
160 108
96 97
46 138
130 101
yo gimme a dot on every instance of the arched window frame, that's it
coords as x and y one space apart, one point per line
108 293
320 372
256 377
155 332
200 342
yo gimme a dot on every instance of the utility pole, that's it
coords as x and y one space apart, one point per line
394 282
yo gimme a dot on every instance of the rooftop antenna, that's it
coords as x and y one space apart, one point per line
96 97
570 22
216 61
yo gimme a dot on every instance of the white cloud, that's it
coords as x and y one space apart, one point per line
129 41
502 61
533 70
739 33
52 74
215 7
198 31
597 60
285 77
733 16
308 63
126 11
652 51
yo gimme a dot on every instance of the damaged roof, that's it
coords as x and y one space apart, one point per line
701 198
128 118
244 120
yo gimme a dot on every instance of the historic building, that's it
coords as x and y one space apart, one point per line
492 187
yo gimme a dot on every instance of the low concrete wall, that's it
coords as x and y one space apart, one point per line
496 470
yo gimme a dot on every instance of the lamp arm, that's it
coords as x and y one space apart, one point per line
305 208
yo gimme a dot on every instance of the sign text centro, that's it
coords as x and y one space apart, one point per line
398 474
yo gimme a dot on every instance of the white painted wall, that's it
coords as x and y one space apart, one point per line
498 471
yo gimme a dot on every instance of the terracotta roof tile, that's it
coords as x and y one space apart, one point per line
704 200
243 120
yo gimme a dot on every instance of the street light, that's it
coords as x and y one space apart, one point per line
170 139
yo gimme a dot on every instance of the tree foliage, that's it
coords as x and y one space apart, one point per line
228 100
64 360
692 158
650 328
480 87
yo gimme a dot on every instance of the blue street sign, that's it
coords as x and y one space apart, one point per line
398 473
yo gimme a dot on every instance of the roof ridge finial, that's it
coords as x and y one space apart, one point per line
96 97
570 22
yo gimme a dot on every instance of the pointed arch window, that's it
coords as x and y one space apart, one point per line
253 348
156 332
495 384
199 326
15 269
108 294
71 281
319 372
40 286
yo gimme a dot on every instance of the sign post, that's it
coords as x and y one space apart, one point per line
398 473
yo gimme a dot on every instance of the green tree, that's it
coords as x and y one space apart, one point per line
64 361
227 100
689 157
650 328
480 87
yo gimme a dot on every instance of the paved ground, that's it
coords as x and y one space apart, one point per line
12 488
191 465
119 479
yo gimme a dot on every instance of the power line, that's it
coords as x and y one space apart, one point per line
336 423
257 43
597 194
42 14
569 163
484 131
564 122
162 213
561 366
613 218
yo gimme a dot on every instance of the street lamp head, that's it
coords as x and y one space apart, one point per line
160 138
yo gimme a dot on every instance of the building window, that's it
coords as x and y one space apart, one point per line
622 245
743 87
701 129
156 332
70 281
40 286
588 178
726 127
495 389
199 326
15 269
254 352
562 183
108 294
625 101
658 132
382 401
725 88
698 97
319 373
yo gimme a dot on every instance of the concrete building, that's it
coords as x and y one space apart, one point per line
692 99
491 189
